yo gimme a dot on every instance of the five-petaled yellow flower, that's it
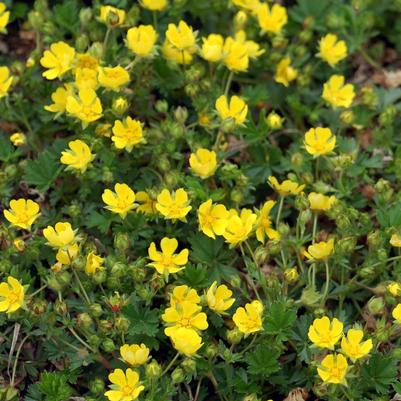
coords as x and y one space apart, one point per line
61 236
86 107
141 40
127 133
285 73
147 204
78 156
5 81
171 53
325 333
18 139
12 295
333 369
59 97
167 262
213 219
212 48
203 163
183 293
113 78
121 201
154 5
249 319
58 60
239 227
181 37
186 341
125 385
397 313
235 55
264 224
86 78
272 20
287 187
331 49
22 213
219 298
337 93
135 354
319 141
236 109
93 263
112 16
254 50
173 205
353 347
4 17
320 202
320 250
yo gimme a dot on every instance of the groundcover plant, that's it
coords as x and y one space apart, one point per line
200 200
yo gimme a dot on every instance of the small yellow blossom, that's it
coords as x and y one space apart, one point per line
186 341
127 133
397 313
125 385
86 78
291 274
319 141
113 78
135 354
203 163
181 37
18 139
212 48
22 213
59 97
219 298
19 244
325 333
333 369
320 202
167 262
213 219
93 263
236 110
104 130
183 293
264 224
141 40
395 241
249 319
254 50
173 54
337 93
285 73
121 201
274 121
287 187
147 204
394 289
173 205
248 5
239 227
61 236
272 20
154 5
12 295
5 81
66 255
78 156
58 60
331 49
4 17
352 346
320 250
85 60
86 107
112 16
236 55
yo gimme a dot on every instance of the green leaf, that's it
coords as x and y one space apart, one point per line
143 320
263 360
195 276
279 319
54 386
100 220
66 15
379 373
6 149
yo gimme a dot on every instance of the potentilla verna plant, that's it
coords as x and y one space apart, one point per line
200 200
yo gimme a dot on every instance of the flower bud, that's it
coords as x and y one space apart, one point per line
181 114
274 247
60 307
305 36
96 386
96 50
122 242
178 375
240 20
122 324
236 196
251 397
189 366
261 255
274 121
235 281
347 117
310 297
234 336
376 305
161 106
153 369
105 326
283 229
99 276
211 351
36 20
297 159
120 105
85 321
108 345
366 271
85 15
96 310
291 275
82 43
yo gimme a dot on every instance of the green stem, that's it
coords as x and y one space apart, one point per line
170 364
154 20
39 290
228 83
105 41
280 208
314 228
85 295
255 290
326 287
85 344
366 56
249 345
218 140
16 360
317 165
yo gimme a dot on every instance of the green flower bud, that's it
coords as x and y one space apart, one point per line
235 281
304 217
251 397
178 375
283 229
96 310
161 106
305 36
236 196
211 351
85 321
153 369
97 386
396 353
366 271
122 324
60 307
274 247
105 326
107 176
99 277
369 97
347 117
234 336
192 89
120 105
274 121
310 297
189 365
297 159
82 43
163 164
122 242
376 305
261 255
96 50
132 16
39 306
108 345
36 20
85 15
172 178
118 269
11 170
346 245
279 42
181 114
94 340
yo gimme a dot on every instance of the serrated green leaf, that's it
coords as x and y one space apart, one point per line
54 386
379 373
279 319
143 320
263 360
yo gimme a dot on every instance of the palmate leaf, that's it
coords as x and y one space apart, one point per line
54 386
143 320
379 373
279 319
263 360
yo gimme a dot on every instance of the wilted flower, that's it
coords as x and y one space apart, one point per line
203 163
121 201
331 49
58 60
22 213
78 156
93 264
325 333
319 141
337 93
249 319
18 139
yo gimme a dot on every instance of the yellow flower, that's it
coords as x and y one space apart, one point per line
147 205
166 261
113 77
320 202
154 5
86 78
173 205
397 313
395 241
291 274
183 293
22 213
184 314
181 37
186 341
237 109
274 120
121 201
212 48
325 334
352 346
5 81
236 56
85 60
249 319
333 369
272 20
319 141
203 163
125 386
66 256
248 5
320 251
103 130
287 187
59 97
112 16
4 17
78 156
61 236
18 139
219 298
338 94
141 40
135 354
331 49
394 289
127 133
264 224
213 219
285 73
86 107
93 263
173 54
254 50
11 295
19 244
58 60
239 227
